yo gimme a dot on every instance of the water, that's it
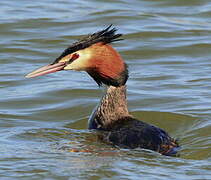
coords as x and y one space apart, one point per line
43 121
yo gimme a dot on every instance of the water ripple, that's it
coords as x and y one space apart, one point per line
44 120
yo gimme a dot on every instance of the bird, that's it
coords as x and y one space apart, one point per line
95 55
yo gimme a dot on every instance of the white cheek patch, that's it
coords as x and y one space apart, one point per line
81 63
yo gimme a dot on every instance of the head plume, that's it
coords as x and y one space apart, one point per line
94 55
105 36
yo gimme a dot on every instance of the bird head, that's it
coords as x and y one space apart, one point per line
93 54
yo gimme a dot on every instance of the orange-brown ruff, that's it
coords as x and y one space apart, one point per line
111 118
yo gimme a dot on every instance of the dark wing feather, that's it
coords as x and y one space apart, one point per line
137 134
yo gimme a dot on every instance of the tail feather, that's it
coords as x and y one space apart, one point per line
170 149
172 152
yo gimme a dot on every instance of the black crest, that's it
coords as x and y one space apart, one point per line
106 36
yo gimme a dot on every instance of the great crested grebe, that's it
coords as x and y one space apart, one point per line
104 64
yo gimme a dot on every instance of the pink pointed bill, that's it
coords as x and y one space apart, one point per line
47 69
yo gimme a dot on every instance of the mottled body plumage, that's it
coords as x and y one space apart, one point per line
120 128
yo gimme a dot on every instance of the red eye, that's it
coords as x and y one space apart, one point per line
74 57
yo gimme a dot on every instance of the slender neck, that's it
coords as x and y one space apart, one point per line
112 107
